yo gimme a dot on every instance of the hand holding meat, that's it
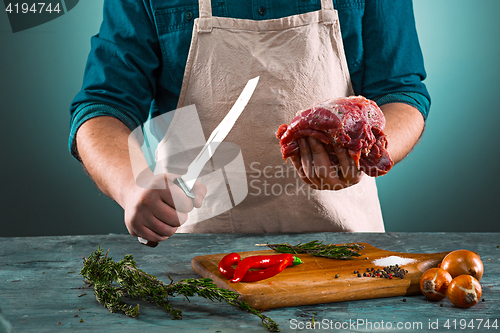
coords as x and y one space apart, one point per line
314 166
333 143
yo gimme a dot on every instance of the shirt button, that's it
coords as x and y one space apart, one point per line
262 10
188 16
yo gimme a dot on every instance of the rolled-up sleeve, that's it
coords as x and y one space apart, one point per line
394 65
121 70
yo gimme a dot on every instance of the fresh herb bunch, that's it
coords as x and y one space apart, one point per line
112 281
318 249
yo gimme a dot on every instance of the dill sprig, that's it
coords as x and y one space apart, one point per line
112 281
318 249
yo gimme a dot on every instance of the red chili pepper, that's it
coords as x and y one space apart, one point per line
252 276
225 265
234 259
273 264
266 262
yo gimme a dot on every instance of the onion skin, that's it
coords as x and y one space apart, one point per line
464 291
434 283
462 262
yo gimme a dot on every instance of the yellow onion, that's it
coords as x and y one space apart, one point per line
434 283
464 291
461 262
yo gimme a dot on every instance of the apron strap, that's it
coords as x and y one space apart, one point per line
326 4
205 20
328 13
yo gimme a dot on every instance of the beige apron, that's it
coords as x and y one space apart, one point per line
300 60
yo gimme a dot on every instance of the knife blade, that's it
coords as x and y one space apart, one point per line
186 181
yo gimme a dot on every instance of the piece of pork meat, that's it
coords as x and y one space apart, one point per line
354 123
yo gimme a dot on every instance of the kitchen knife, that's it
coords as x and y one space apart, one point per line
186 181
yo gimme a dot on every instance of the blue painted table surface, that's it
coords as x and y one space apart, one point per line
41 289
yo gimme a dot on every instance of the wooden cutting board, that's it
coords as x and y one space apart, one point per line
314 282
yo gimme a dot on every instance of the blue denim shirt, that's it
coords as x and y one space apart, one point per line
137 60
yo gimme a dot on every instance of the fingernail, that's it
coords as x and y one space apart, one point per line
302 142
312 141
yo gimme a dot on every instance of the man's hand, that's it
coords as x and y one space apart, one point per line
315 169
156 207
155 211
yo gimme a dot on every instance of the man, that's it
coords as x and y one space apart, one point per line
142 62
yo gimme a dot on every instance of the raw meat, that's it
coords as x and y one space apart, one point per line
354 123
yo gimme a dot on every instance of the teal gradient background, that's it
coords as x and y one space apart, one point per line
449 182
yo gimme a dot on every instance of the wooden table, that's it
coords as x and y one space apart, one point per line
41 290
